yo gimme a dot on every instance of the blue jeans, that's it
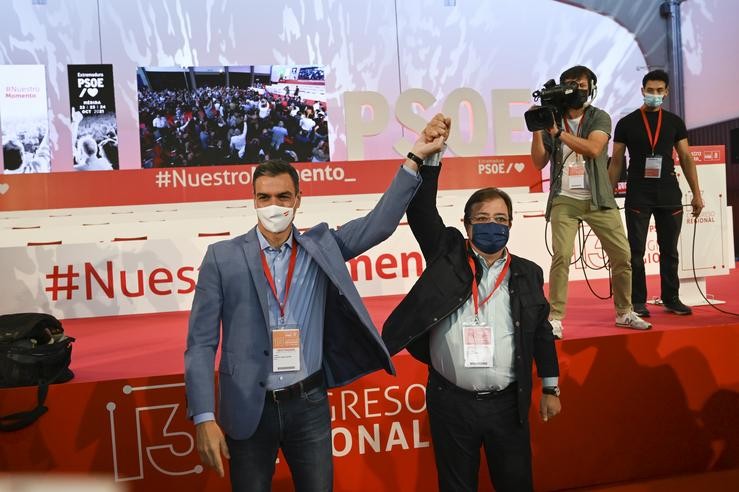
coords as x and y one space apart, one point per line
302 428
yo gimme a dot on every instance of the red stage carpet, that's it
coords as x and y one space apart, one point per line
118 347
638 408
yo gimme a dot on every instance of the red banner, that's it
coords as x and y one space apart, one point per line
669 409
706 154
215 183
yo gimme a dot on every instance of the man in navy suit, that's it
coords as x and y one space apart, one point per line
290 324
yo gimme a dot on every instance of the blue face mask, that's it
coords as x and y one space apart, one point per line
490 237
652 100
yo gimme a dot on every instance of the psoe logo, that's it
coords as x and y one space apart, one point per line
499 167
90 85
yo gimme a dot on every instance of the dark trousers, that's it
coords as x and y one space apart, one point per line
302 428
461 424
668 222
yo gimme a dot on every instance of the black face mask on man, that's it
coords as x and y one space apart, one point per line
579 99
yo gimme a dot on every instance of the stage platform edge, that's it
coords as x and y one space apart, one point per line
636 406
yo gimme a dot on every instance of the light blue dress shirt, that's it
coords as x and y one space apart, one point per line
305 307
447 344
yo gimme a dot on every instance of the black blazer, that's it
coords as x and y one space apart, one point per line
446 284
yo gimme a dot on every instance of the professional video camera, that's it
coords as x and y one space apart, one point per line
555 99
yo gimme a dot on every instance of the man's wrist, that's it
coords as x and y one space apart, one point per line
551 390
434 160
203 417
416 157
550 381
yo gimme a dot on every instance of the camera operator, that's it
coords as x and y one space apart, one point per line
650 133
581 191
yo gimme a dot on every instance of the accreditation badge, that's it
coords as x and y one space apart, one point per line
576 173
653 167
285 348
478 344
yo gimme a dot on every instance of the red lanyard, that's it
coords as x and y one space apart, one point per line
498 281
652 141
271 280
579 128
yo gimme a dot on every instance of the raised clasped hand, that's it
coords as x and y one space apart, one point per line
432 137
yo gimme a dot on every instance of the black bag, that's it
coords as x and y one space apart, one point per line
34 351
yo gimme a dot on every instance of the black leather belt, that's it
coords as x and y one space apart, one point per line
298 389
440 380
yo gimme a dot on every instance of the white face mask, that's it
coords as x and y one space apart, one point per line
275 218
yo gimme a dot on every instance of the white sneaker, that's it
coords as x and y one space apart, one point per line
556 328
633 321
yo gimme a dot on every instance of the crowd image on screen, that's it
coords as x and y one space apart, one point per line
214 125
311 73
95 141
26 149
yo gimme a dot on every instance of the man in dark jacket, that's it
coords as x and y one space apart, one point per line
478 317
